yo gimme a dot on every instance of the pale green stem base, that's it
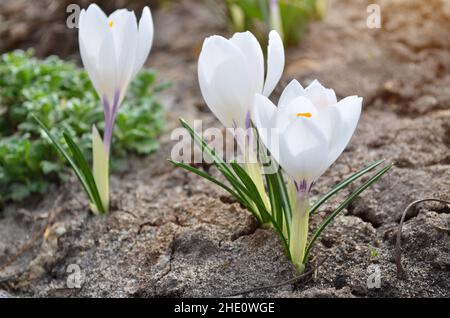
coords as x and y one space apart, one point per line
253 169
100 169
299 230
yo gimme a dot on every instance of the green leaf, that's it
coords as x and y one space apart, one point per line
205 147
49 167
275 201
251 190
287 208
219 164
341 207
238 17
243 184
207 177
341 185
279 186
256 198
86 171
75 168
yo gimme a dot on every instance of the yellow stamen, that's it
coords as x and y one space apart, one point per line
308 115
110 24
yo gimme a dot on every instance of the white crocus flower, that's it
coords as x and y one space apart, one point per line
113 49
305 134
231 72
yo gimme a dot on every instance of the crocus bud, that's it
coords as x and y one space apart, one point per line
231 72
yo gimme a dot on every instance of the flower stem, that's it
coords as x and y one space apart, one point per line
253 169
299 230
100 169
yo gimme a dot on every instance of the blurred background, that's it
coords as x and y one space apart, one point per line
41 24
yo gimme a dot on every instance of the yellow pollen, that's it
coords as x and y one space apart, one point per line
110 24
308 115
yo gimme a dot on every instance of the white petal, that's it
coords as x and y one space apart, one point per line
251 49
90 64
117 24
92 28
348 111
293 89
215 50
264 113
145 39
275 62
125 35
234 92
328 120
224 81
208 90
319 95
288 113
303 150
107 66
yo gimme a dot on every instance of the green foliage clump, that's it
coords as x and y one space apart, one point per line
289 17
62 96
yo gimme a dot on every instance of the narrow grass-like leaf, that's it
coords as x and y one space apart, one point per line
205 147
86 171
251 188
280 232
207 177
75 168
284 197
256 198
275 203
341 207
341 185
222 167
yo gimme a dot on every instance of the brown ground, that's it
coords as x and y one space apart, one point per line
171 234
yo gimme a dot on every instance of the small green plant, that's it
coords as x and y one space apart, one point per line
62 96
280 214
304 134
288 17
113 49
373 252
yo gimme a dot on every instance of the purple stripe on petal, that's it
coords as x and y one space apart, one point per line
303 186
109 122
115 103
248 121
106 108
107 135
